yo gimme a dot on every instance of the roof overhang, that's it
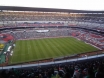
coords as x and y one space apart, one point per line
16 8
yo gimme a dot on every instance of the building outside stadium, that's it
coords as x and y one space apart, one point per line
22 27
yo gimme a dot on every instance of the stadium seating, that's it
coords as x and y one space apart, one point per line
93 68
91 21
89 37
39 24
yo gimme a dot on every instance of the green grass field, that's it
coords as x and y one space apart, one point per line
31 50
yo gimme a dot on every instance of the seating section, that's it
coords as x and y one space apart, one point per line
6 37
31 34
39 24
85 20
93 68
87 36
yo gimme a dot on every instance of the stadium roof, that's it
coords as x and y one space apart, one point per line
16 8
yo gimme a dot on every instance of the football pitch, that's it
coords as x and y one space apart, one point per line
38 49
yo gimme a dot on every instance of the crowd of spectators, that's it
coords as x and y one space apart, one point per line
91 21
93 68
33 16
34 24
37 24
32 34
50 16
87 36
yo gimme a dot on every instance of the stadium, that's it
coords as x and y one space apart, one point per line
57 39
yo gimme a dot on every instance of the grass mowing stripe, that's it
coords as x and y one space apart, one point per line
27 50
71 48
57 45
61 49
34 45
66 46
53 47
24 52
76 45
39 49
32 53
87 45
49 52
40 53
29 53
45 49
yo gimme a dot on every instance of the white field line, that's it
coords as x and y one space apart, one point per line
14 53
41 59
94 46
44 38
28 47
34 48
89 43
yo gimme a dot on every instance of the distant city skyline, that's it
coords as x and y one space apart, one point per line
96 5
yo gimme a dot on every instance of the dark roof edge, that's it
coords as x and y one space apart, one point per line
18 8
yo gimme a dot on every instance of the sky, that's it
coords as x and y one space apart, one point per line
96 5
